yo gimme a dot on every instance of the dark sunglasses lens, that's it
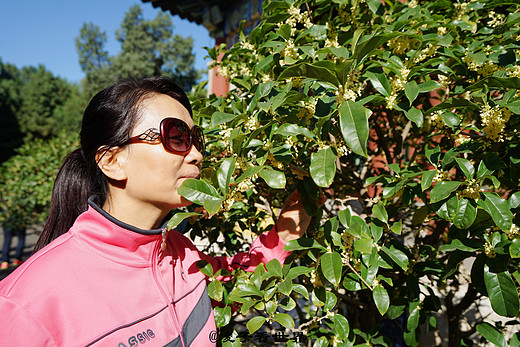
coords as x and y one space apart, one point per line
198 140
177 135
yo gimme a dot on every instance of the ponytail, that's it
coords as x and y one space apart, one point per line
70 193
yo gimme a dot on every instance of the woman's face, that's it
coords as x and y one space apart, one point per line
154 174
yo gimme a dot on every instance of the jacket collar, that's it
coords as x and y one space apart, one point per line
114 239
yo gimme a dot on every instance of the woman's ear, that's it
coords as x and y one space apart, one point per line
111 162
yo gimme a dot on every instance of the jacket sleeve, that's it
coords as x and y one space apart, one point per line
266 247
20 327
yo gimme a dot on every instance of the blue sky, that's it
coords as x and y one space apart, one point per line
34 32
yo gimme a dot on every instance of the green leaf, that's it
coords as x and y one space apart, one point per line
515 340
415 115
293 129
427 179
201 193
274 268
501 292
222 315
379 212
514 249
363 245
178 217
274 178
491 334
215 290
341 326
514 200
323 167
353 120
498 209
221 118
466 167
310 71
255 323
461 245
381 299
443 189
331 267
397 256
496 83
380 83
302 244
411 90
285 286
428 86
224 174
284 319
413 315
465 214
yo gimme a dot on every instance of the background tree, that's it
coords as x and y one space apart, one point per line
26 179
409 114
148 47
9 102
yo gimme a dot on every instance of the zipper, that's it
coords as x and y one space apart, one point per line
161 247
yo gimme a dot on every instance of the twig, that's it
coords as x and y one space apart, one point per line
361 278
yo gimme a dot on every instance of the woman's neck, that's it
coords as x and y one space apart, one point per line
138 214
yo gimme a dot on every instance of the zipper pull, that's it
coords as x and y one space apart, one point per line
164 234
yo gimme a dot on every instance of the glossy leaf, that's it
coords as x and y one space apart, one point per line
466 167
443 189
310 71
502 292
381 299
323 167
427 179
491 334
514 248
224 174
353 120
215 290
284 319
415 115
379 212
331 267
178 217
293 129
341 326
380 83
255 323
498 209
465 214
397 256
411 91
274 178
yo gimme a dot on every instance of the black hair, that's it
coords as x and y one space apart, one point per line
107 122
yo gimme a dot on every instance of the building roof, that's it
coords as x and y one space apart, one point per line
191 10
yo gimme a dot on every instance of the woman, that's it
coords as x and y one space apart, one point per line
106 272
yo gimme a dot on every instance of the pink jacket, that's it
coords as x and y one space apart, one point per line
105 283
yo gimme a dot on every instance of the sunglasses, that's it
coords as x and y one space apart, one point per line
175 135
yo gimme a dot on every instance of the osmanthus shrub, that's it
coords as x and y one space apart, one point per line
409 114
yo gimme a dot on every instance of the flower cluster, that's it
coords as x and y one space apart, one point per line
489 250
425 53
441 175
297 16
437 120
472 190
397 83
232 197
514 232
494 120
344 93
495 19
